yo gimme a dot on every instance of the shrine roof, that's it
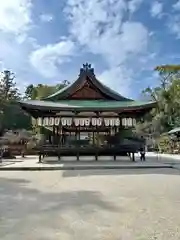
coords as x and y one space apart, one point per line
86 94
85 105
86 72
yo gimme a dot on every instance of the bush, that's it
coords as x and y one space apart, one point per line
164 144
21 142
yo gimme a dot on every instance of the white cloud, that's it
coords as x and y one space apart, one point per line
14 57
45 59
133 5
99 26
15 22
156 9
119 77
174 21
15 16
174 25
176 6
46 17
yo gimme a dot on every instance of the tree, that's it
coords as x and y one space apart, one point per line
11 115
8 94
152 93
41 90
167 95
167 74
29 91
8 89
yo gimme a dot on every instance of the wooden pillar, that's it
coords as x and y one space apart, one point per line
118 128
79 133
76 136
97 142
57 135
78 139
97 134
116 143
76 133
58 143
133 157
53 135
120 119
93 137
60 135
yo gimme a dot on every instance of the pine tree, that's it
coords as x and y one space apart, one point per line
8 89
8 96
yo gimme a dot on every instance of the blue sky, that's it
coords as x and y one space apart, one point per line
48 41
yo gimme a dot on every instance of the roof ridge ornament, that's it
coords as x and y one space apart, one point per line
87 69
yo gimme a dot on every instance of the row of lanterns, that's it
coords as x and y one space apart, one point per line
56 121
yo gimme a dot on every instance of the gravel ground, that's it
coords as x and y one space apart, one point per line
90 205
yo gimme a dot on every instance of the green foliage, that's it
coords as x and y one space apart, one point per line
29 91
168 70
167 113
164 144
11 115
8 89
16 118
41 90
167 74
125 133
161 119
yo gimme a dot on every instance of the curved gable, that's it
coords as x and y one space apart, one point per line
86 87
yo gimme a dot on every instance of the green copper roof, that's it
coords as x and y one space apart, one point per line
102 103
111 100
83 105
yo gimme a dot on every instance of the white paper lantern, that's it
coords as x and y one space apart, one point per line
56 121
81 121
98 122
87 122
45 121
69 121
40 121
124 122
129 122
111 122
63 121
117 122
93 121
134 122
51 121
106 122
76 122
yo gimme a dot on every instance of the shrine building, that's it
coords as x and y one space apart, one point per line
82 118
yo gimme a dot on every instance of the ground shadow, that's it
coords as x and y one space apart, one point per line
84 159
106 172
94 162
150 159
22 207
